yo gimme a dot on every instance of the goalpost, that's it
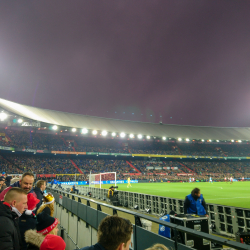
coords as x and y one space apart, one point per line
96 180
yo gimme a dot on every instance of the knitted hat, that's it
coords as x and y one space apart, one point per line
53 242
45 223
48 198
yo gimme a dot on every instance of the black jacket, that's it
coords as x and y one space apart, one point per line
10 238
26 222
39 194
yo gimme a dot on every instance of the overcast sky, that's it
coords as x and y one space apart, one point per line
187 61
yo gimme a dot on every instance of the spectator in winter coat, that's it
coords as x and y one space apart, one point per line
45 225
39 191
14 204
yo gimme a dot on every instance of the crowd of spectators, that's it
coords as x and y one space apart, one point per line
40 140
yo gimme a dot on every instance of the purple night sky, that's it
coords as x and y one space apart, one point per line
187 61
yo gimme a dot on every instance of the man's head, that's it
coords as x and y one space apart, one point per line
114 233
41 184
26 182
1 180
196 192
17 198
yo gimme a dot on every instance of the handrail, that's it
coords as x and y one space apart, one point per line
175 227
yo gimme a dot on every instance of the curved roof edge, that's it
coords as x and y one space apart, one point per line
113 125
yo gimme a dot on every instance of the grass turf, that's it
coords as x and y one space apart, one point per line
237 194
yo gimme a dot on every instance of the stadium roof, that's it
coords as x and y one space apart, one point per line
118 126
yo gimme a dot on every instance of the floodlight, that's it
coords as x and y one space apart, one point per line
164 138
139 136
217 140
239 140
19 120
113 134
187 139
73 129
131 136
179 139
209 140
54 127
122 134
232 140
3 116
84 131
94 132
104 132
202 140
148 137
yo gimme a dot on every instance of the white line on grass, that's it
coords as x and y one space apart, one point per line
228 198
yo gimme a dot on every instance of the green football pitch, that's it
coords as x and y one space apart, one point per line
236 194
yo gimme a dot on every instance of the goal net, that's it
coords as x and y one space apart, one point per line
97 180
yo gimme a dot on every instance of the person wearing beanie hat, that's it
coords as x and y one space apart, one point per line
45 225
53 242
48 202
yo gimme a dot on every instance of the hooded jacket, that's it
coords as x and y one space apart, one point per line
33 239
10 238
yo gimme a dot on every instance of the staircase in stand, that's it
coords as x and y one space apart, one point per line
79 170
189 170
132 166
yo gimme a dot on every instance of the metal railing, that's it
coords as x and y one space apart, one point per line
67 199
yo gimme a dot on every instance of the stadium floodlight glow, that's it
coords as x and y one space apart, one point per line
139 136
209 140
187 139
122 134
203 140
217 140
94 132
164 138
84 131
54 127
131 136
179 139
232 140
20 120
73 129
239 141
148 137
113 134
104 133
3 116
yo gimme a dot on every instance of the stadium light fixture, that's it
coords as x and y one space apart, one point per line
94 132
187 139
239 141
84 131
113 134
104 133
232 140
209 140
139 136
3 116
148 137
20 120
122 134
54 127
164 138
131 136
217 140
202 140
179 139
73 129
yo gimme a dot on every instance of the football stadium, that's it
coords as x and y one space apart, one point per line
125 125
141 168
